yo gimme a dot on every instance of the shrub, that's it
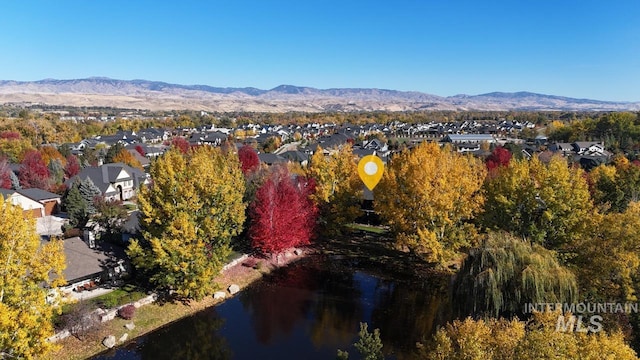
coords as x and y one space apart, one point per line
126 312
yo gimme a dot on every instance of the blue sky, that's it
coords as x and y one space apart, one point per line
585 49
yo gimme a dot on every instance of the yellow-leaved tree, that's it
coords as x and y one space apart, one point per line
608 260
548 204
188 216
338 188
126 157
427 196
538 339
27 271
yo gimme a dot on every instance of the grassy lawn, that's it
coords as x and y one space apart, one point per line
368 228
147 318
131 207
126 294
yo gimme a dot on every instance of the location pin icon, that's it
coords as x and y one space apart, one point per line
370 169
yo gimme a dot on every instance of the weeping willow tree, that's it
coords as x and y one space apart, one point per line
505 273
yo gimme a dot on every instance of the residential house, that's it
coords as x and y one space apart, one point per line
49 200
116 181
89 266
153 135
586 148
564 149
270 158
469 142
30 207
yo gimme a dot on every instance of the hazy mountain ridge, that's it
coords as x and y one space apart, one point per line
157 95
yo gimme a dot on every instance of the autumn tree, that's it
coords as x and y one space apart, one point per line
181 144
546 204
500 156
282 214
112 152
140 150
505 272
248 159
126 157
608 259
28 271
34 173
72 168
14 148
188 216
338 188
50 153
427 196
614 187
513 339
271 144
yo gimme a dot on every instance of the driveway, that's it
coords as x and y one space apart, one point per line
49 225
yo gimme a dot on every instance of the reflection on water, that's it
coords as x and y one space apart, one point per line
306 311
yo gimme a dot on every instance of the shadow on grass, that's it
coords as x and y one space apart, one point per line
376 252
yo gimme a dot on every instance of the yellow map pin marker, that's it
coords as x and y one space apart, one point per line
370 169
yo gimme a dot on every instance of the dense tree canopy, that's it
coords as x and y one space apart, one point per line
282 214
338 188
502 339
188 217
248 159
608 259
504 273
34 173
126 157
547 204
28 270
427 195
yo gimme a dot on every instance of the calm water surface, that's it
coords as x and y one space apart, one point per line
305 311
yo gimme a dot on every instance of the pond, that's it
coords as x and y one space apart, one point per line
305 311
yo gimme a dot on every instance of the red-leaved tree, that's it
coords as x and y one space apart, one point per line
499 157
140 150
282 215
11 135
73 167
34 173
248 159
181 144
5 177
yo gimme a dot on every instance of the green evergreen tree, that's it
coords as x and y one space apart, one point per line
76 206
89 192
15 182
369 344
56 171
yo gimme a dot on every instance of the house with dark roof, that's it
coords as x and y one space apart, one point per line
270 158
90 265
296 156
116 181
29 206
49 200
153 135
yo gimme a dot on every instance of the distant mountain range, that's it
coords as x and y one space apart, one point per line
155 95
